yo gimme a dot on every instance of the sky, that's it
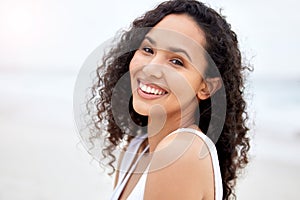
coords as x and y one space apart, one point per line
60 34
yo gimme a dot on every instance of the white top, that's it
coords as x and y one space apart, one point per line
138 191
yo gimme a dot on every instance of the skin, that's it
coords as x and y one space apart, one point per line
176 170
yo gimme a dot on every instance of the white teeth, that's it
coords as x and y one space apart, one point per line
148 89
152 90
143 87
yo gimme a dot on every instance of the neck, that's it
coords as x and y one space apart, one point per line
159 126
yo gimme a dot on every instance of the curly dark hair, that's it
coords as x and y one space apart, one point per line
222 46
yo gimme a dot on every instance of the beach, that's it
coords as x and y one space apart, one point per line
42 157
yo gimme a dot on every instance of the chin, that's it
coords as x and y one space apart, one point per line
141 108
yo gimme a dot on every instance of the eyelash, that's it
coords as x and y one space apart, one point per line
148 50
177 62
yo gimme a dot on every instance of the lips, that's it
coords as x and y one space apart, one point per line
150 91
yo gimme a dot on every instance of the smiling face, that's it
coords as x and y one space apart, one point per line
168 67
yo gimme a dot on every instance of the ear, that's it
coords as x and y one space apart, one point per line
208 87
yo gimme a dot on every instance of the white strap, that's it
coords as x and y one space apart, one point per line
118 190
129 155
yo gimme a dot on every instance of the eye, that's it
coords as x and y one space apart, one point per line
148 50
177 62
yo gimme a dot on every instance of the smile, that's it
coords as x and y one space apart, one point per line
150 91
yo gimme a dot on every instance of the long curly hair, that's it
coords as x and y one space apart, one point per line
222 46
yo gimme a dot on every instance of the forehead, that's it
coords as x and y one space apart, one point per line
182 24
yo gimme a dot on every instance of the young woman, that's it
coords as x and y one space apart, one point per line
171 88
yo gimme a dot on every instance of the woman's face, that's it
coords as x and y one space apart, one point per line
167 69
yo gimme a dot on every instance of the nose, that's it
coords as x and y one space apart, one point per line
154 67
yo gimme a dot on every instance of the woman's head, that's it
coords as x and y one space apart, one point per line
209 30
167 69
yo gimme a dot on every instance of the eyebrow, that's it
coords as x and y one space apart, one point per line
173 49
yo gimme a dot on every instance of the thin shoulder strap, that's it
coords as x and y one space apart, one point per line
214 156
124 178
129 155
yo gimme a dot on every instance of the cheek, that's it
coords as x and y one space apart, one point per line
132 63
136 61
178 83
195 80
188 87
135 66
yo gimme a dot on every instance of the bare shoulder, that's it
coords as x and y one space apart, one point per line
181 168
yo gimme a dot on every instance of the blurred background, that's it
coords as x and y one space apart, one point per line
43 45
